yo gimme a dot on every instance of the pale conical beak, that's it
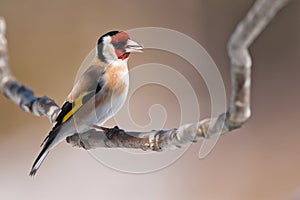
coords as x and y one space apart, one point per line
132 46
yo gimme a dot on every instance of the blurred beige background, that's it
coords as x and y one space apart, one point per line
47 42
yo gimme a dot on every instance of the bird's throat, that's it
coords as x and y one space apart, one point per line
124 56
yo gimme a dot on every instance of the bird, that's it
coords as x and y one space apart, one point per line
97 95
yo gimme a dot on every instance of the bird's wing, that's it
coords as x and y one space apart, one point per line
86 82
90 83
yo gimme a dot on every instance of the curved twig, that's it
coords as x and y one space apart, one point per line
238 113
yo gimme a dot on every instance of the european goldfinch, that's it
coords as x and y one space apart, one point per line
97 95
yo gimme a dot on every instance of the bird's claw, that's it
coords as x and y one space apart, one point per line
109 132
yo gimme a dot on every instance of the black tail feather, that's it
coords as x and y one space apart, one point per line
45 150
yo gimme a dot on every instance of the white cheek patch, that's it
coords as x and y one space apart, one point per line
109 50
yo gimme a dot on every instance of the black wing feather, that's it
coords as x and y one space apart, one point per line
67 106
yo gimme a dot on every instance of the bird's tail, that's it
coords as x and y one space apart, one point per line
47 146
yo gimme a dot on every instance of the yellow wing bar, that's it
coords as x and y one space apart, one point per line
76 105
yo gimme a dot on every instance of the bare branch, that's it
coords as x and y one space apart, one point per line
247 30
20 94
239 111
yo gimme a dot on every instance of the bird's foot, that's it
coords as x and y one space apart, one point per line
109 132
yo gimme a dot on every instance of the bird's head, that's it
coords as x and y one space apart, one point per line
116 45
